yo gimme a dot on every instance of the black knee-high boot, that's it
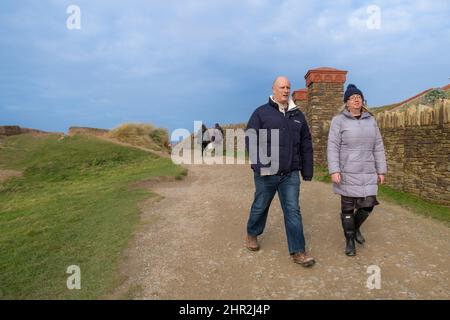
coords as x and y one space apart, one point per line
360 216
348 224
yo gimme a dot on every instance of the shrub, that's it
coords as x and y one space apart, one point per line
434 95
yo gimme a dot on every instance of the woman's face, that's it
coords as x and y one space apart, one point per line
354 103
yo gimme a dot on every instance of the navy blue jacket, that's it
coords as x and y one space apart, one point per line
295 145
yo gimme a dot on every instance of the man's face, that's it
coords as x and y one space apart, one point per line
281 90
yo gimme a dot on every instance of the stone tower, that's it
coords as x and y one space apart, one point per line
325 91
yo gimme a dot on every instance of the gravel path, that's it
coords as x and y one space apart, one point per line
190 245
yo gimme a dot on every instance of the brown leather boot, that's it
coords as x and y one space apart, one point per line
303 259
251 242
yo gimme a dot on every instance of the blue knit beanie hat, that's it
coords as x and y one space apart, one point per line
351 90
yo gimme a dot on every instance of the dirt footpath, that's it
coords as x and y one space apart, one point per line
190 245
6 174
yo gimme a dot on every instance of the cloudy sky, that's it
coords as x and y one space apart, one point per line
172 62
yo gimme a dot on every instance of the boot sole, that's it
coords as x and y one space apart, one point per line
306 264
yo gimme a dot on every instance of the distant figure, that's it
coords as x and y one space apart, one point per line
219 128
213 135
204 138
356 163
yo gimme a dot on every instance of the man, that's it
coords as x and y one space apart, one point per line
295 153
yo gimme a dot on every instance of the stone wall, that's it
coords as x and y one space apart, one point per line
417 143
87 131
6 131
9 130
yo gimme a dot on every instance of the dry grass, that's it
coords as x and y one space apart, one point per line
142 135
235 126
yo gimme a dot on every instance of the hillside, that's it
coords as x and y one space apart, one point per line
74 204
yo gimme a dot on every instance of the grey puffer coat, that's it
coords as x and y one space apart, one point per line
356 150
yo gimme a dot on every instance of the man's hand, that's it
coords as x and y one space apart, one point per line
336 177
381 178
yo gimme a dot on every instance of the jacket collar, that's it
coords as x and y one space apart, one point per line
291 105
348 114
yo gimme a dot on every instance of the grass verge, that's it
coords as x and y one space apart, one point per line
72 206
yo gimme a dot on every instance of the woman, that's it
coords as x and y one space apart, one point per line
356 162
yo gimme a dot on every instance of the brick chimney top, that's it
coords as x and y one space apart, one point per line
301 94
325 74
325 69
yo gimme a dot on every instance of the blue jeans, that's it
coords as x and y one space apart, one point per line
288 187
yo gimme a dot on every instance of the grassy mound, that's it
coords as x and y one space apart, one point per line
143 135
